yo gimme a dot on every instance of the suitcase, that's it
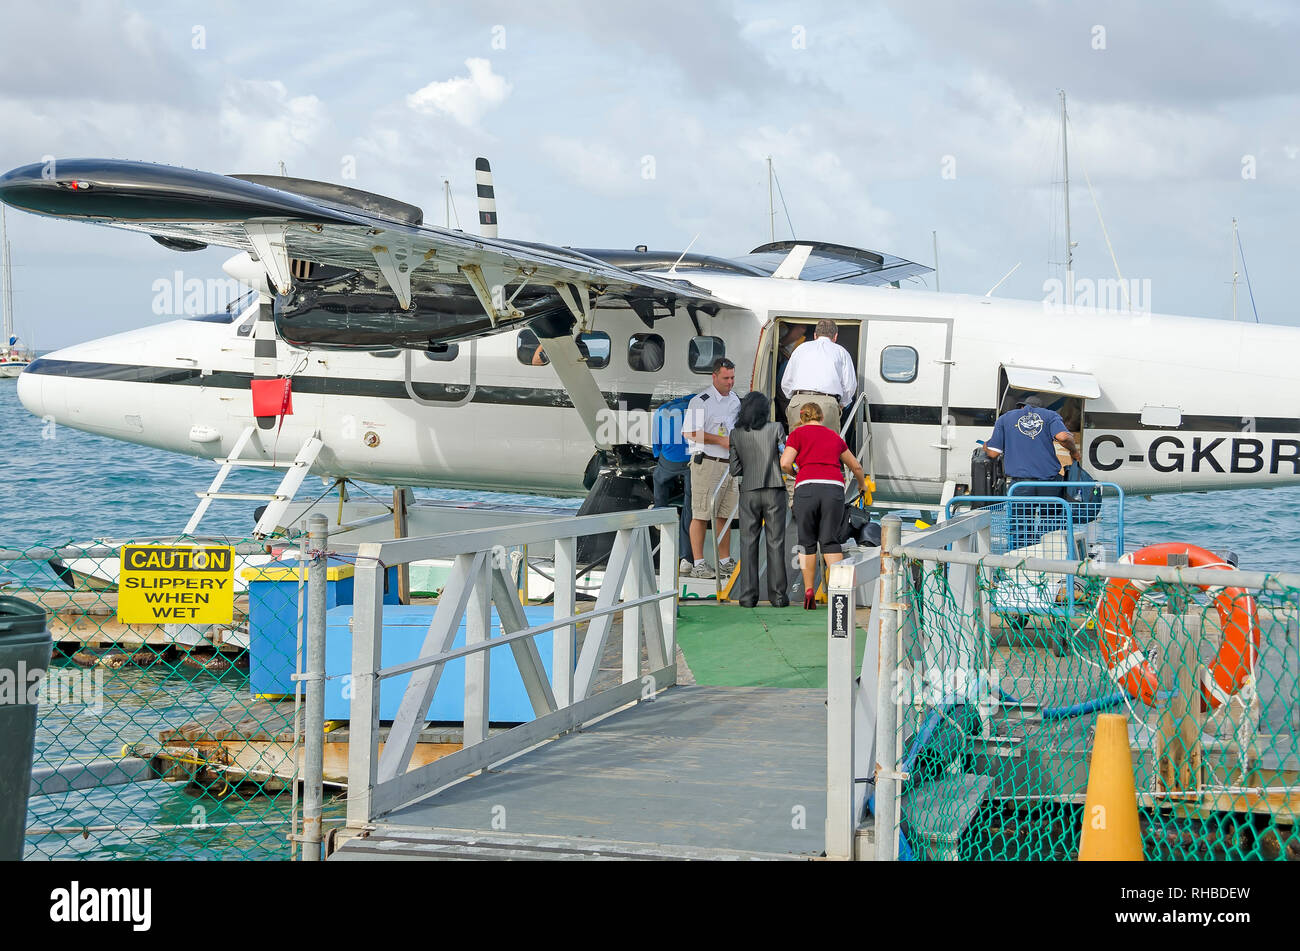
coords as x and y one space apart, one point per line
986 476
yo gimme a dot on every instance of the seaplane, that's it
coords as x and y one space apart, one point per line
375 346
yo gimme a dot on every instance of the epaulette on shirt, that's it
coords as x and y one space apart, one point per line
704 396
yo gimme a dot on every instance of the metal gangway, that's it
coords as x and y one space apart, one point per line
619 759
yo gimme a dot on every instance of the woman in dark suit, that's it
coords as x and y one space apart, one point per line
820 454
755 458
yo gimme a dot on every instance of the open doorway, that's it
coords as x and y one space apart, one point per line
1065 392
791 333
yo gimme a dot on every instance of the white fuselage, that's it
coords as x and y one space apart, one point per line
1220 398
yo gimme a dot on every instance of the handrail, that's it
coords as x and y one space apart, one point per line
109 549
397 551
711 526
562 698
397 670
1217 577
847 418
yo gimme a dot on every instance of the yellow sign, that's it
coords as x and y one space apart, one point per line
173 585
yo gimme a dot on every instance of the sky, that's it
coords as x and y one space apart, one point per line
617 124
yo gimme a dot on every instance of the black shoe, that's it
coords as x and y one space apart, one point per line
781 603
748 604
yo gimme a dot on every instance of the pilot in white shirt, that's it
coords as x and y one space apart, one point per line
820 371
707 425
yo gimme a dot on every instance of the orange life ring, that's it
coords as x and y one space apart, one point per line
1238 615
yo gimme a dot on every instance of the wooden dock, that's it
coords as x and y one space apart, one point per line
255 743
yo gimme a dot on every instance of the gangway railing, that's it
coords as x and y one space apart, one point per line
861 712
480 580
1181 755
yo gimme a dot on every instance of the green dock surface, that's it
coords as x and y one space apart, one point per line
726 645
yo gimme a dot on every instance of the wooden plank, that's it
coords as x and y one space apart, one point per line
257 760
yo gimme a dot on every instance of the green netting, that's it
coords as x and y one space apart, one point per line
202 731
1001 686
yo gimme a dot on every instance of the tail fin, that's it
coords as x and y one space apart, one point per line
487 199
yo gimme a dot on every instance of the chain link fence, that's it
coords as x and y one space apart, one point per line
998 696
168 740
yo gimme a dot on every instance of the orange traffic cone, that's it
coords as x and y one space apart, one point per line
1110 814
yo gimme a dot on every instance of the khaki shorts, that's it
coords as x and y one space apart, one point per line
704 479
830 407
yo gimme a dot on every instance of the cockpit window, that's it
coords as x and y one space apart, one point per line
229 313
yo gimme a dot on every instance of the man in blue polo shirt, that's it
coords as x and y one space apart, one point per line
1026 438
669 447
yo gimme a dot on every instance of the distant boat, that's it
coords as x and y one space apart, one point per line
14 357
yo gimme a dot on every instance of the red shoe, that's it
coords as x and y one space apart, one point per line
810 601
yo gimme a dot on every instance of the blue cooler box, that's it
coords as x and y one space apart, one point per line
405 627
273 619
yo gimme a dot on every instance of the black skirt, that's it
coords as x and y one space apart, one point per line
819 517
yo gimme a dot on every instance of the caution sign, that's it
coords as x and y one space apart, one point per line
160 584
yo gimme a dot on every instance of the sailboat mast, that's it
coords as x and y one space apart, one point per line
1234 268
1069 246
446 196
8 297
771 208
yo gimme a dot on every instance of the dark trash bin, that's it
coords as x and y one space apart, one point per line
24 658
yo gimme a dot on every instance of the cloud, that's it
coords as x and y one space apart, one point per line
464 98
1161 51
261 124
47 56
695 46
592 164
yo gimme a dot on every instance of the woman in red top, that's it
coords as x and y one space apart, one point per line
813 455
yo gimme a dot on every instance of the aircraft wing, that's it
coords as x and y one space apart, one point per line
281 221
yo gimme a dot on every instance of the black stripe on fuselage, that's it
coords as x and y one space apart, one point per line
330 386
538 396
1196 424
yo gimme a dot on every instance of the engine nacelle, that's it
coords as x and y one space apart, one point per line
346 310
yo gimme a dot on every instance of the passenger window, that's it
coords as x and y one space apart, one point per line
645 352
702 353
898 364
528 350
443 352
596 348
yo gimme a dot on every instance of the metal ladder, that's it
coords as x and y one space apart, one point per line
276 502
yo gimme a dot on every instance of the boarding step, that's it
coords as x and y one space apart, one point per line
276 502
413 844
241 496
255 463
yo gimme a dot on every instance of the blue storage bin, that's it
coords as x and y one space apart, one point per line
405 627
273 619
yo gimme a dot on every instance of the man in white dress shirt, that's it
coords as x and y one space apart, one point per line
707 425
820 371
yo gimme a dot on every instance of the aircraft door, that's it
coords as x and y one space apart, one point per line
906 364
